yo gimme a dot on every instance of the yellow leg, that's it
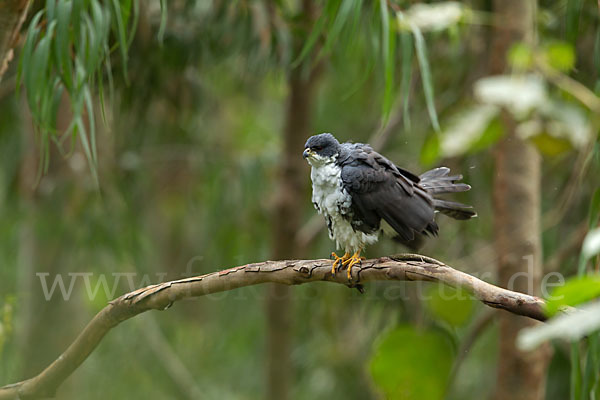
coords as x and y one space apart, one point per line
351 262
339 261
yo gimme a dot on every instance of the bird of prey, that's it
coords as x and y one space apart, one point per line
362 194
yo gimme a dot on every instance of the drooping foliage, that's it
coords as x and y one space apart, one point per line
179 115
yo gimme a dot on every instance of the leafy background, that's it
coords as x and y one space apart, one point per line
144 138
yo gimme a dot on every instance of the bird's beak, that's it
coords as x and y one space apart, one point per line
306 153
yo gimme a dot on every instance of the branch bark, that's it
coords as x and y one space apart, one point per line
403 267
12 15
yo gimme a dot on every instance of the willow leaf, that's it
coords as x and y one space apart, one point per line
341 18
25 67
407 57
89 105
85 143
572 16
163 21
421 49
136 18
388 49
312 38
61 43
121 36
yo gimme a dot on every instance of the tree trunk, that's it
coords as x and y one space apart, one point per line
35 313
12 15
290 201
516 192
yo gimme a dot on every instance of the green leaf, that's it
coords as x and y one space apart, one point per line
121 35
560 55
568 326
490 136
79 8
575 291
426 76
81 48
25 68
551 145
314 35
57 98
101 98
407 57
163 21
98 28
39 61
520 56
360 81
341 18
355 21
50 7
575 371
126 12
388 51
48 106
409 364
465 130
92 46
390 64
452 305
596 58
572 25
89 105
109 75
79 128
136 18
62 45
594 212
590 375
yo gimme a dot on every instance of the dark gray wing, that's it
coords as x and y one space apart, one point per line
380 190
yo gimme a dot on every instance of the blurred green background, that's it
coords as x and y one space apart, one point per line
189 129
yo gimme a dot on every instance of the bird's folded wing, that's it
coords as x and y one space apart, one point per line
380 191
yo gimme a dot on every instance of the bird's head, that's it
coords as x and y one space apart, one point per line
321 148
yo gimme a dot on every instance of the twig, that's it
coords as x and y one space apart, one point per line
570 246
404 267
169 360
576 89
12 16
582 163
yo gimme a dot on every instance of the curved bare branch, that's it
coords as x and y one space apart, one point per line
403 267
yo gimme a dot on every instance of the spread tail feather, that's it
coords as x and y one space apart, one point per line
454 209
437 181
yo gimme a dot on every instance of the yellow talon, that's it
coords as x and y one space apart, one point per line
339 261
356 259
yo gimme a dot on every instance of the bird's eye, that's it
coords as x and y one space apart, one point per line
318 148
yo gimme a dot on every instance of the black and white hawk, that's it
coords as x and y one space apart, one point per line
362 194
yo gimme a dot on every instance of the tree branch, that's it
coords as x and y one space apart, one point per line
403 267
12 16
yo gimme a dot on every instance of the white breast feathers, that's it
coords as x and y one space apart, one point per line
331 200
328 195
